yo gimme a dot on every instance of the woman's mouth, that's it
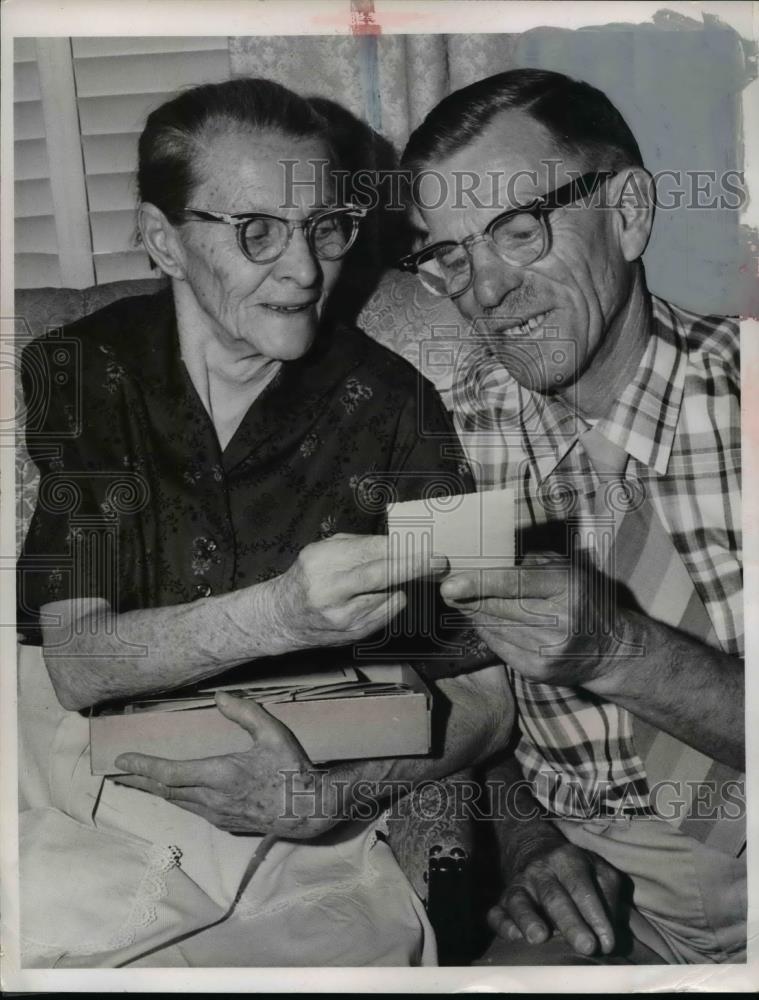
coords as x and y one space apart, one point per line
281 308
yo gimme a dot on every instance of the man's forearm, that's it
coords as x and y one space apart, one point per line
681 686
94 655
519 826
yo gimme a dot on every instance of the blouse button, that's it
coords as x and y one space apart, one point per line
201 589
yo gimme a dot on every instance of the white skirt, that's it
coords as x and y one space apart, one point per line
112 876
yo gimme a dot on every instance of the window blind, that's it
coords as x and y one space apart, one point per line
36 244
118 82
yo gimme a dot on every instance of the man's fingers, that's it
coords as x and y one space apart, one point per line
594 887
609 883
502 924
566 917
520 906
520 582
586 896
471 586
495 611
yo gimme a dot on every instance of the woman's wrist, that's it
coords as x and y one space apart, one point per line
262 618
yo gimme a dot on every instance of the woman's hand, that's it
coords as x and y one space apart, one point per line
271 788
343 589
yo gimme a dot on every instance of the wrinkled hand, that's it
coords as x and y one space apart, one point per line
273 787
343 589
561 889
546 620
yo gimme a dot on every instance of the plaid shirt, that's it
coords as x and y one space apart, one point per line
679 421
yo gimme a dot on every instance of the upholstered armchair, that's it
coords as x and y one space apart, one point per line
434 853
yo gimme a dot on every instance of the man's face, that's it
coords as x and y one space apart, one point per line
545 321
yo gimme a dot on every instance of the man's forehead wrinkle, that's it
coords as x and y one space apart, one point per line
514 142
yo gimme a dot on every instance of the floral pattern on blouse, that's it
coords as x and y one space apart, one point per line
205 521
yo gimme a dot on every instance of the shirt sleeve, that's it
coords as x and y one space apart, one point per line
68 551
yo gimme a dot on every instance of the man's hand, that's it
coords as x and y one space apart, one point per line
250 792
343 589
560 889
546 619
560 624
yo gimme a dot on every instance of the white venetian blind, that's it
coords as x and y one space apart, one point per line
118 82
36 244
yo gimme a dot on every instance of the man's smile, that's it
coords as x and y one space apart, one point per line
518 326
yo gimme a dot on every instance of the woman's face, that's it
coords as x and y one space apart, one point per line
270 310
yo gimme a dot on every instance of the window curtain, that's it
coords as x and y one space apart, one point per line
677 81
389 81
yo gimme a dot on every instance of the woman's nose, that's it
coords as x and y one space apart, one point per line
299 261
492 277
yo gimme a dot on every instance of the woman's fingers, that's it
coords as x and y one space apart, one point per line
392 570
369 612
206 771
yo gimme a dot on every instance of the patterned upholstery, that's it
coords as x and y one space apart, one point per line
38 310
423 329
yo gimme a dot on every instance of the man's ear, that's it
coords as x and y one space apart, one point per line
632 195
160 240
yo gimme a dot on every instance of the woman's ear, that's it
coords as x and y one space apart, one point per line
632 195
160 240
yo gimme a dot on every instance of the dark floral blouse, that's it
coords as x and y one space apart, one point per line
139 505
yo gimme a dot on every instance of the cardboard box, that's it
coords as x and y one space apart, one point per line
388 715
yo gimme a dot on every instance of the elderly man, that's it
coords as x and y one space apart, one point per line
616 417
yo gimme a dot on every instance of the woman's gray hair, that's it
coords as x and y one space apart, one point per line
178 132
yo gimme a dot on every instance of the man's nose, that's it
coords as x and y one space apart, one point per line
492 277
299 261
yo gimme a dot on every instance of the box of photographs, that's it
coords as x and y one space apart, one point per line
348 713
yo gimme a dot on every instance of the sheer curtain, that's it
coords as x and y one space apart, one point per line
677 81
389 81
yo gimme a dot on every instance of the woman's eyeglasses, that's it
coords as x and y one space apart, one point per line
519 236
264 238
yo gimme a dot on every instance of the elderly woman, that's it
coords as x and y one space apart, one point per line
249 431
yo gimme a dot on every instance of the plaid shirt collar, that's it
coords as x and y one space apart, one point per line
642 421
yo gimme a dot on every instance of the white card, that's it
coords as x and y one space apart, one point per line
474 530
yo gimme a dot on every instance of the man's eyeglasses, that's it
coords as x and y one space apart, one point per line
264 238
520 236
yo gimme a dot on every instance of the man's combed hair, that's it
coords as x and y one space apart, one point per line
580 118
177 134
